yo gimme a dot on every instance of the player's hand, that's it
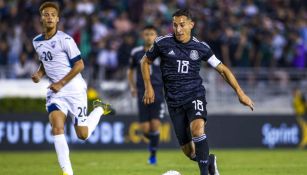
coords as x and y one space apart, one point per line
149 96
133 92
35 77
55 87
245 100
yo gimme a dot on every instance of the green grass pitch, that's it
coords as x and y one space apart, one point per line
230 162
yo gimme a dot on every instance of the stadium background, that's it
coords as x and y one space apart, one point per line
264 43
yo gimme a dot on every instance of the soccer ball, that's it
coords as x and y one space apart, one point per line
171 172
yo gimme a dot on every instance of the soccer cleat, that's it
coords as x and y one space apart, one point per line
107 109
65 173
152 160
212 167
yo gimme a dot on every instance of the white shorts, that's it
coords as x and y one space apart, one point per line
72 105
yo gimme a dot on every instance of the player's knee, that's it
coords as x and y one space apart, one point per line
57 130
145 128
82 135
155 128
197 132
155 125
145 131
197 128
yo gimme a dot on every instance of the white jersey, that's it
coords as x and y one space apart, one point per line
58 54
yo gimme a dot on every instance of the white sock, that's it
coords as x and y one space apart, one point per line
62 150
93 120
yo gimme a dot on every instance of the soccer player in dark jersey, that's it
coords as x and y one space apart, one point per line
181 55
149 115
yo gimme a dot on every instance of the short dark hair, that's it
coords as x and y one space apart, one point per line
183 12
150 27
49 4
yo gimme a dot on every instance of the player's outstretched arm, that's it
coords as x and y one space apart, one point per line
232 81
36 76
130 77
77 68
149 95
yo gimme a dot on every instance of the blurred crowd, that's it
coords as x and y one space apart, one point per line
242 33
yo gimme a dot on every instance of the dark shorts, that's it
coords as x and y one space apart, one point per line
155 110
183 115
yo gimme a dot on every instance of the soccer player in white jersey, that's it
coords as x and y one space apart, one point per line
61 63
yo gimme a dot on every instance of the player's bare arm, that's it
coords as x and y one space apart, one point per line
232 81
76 69
36 77
131 81
149 95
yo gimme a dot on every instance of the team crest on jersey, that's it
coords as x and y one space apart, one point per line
194 55
53 44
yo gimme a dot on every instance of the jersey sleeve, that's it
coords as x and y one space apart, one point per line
132 61
34 44
209 56
153 52
71 49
